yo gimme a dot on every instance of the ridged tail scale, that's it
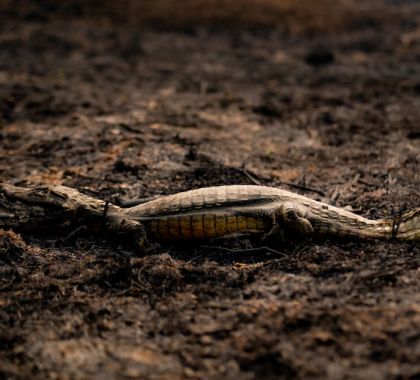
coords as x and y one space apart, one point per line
407 226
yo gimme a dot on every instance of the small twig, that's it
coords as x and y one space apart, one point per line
249 176
246 250
355 179
396 222
363 182
106 208
73 234
303 187
340 189
335 195
300 249
105 212
5 216
197 257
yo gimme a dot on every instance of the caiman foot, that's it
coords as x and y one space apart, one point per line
289 225
295 223
120 225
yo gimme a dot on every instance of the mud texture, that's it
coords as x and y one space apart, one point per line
119 110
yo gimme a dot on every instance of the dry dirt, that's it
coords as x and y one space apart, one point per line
130 111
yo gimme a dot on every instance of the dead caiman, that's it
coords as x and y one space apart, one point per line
213 212
244 209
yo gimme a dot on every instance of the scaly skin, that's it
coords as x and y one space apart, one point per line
204 213
229 210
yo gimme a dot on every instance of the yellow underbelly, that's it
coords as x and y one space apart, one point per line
202 226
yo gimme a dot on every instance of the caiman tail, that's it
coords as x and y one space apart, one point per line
333 222
403 227
407 226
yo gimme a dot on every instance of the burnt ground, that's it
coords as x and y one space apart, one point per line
119 110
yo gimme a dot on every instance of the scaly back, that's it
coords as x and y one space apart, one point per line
209 197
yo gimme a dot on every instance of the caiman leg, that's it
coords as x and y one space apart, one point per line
288 219
295 222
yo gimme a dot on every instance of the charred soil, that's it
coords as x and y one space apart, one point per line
135 111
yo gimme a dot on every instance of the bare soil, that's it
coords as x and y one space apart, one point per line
122 110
